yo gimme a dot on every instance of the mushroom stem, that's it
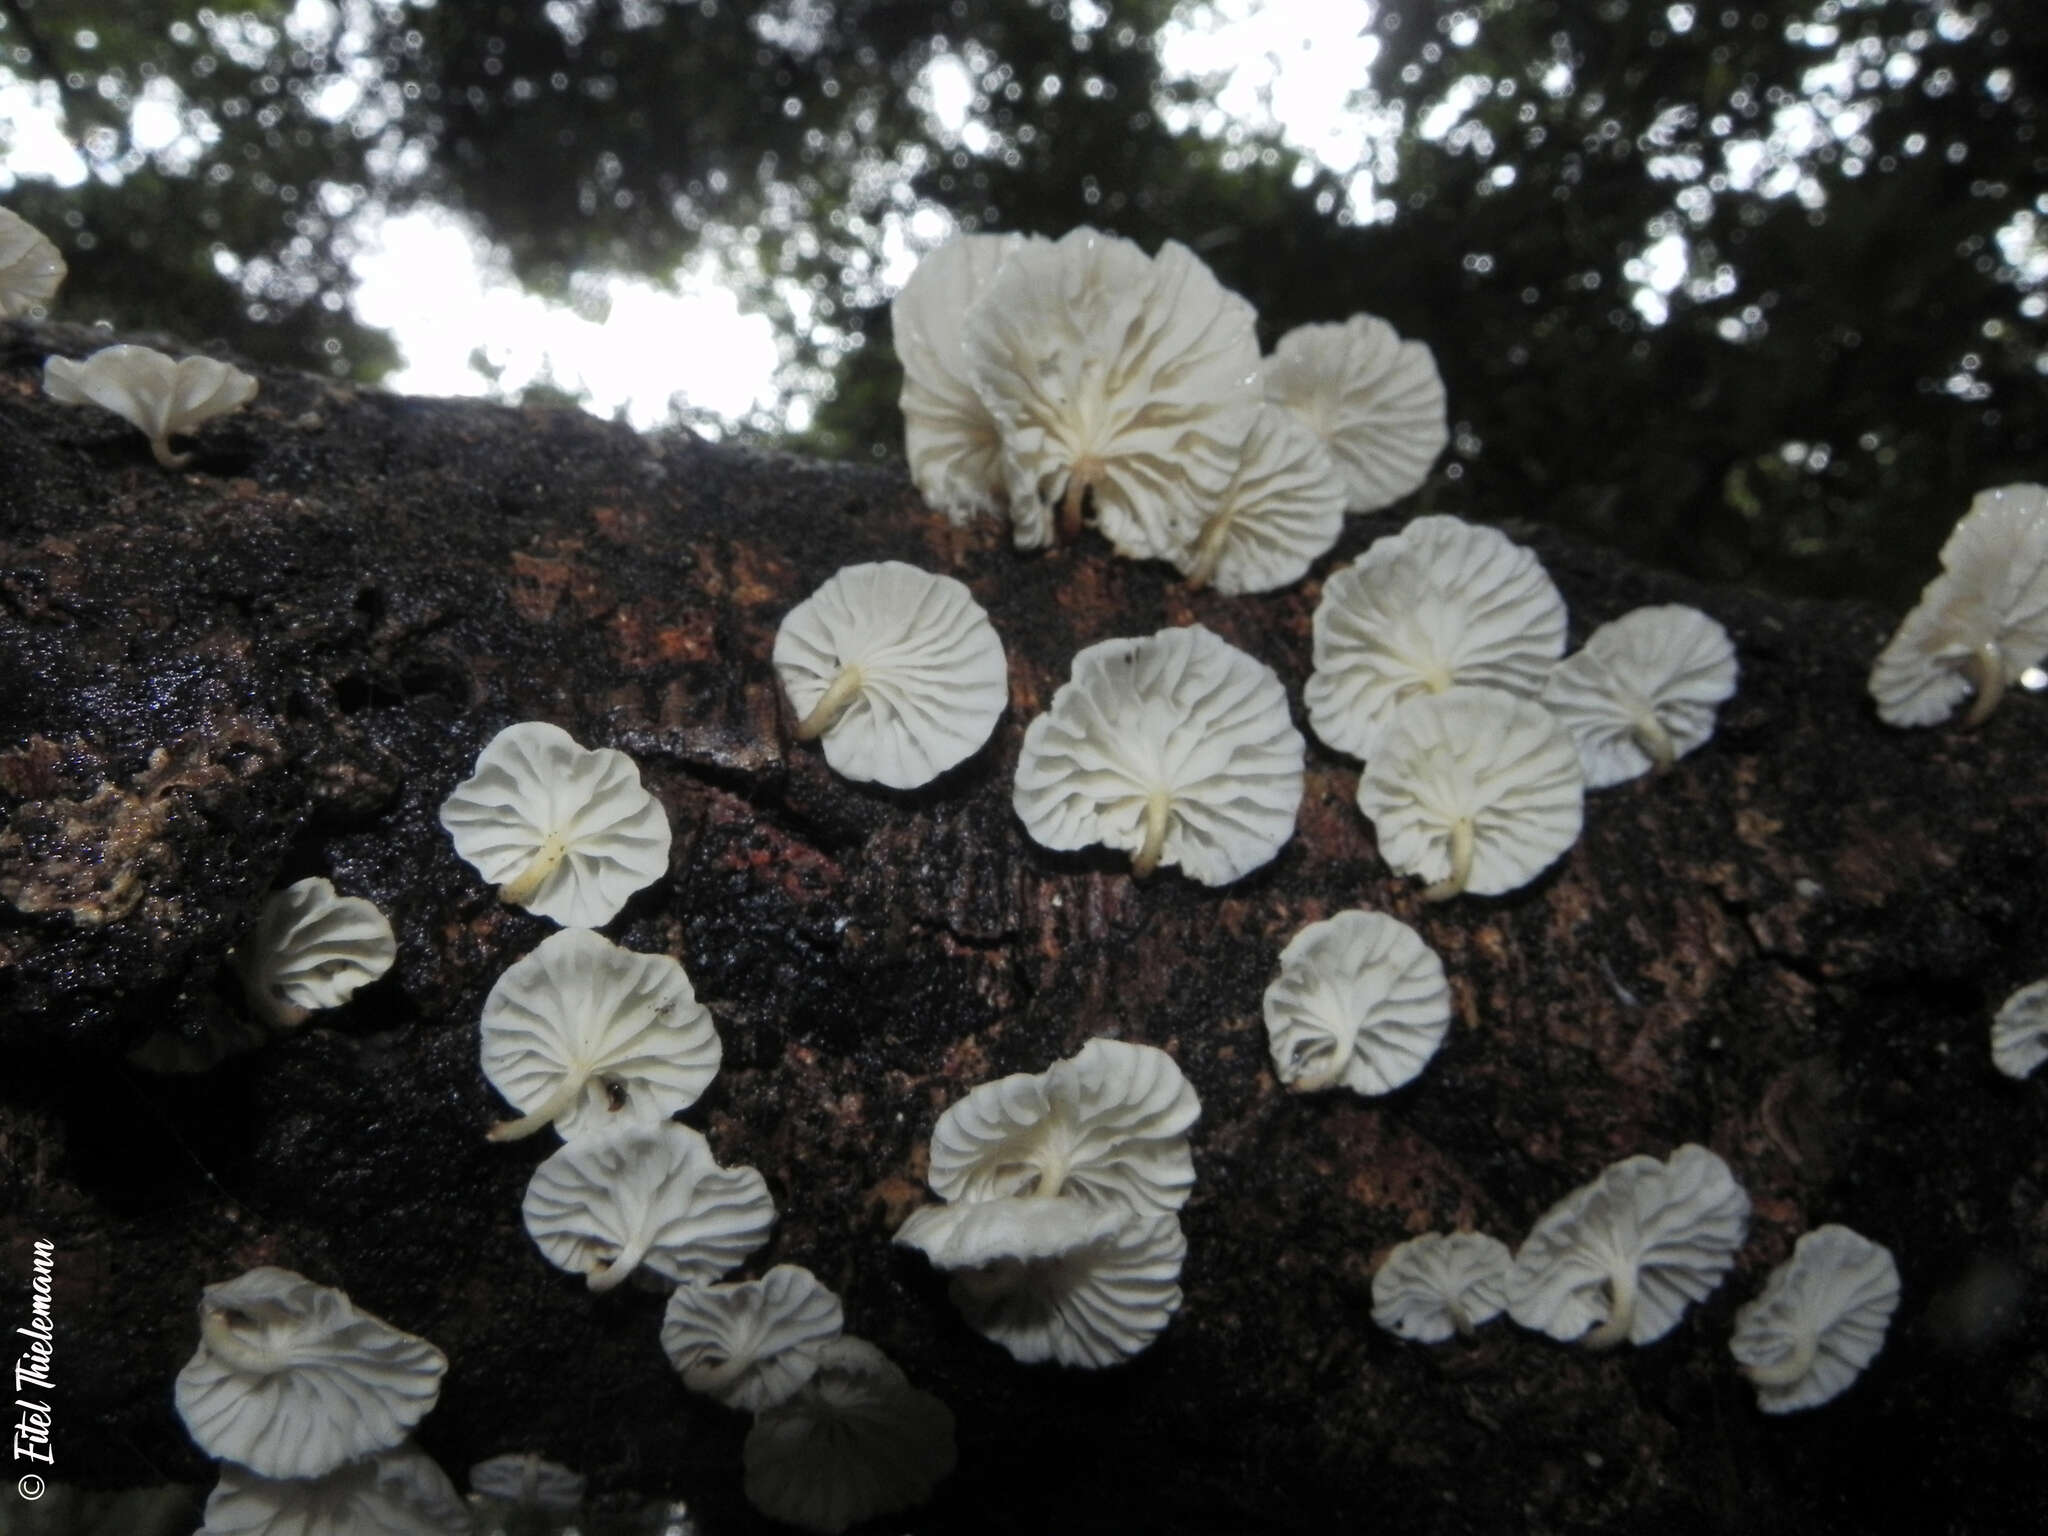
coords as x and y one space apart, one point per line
1209 550
1461 863
826 712
231 1349
551 1109
519 890
161 447
1157 810
609 1275
1648 732
1783 1373
1987 676
1460 1320
1621 1315
1078 480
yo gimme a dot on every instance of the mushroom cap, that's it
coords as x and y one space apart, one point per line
1476 754
949 437
2019 1032
926 662
607 1203
311 949
1136 374
1991 600
1281 511
1661 1233
1184 720
31 268
617 1022
1107 1125
856 1441
1654 675
163 396
291 1381
1374 399
1097 1304
751 1345
1819 1320
399 1492
1438 1284
970 1233
1360 1000
1440 604
529 1480
573 823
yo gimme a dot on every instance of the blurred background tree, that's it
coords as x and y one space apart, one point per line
1753 290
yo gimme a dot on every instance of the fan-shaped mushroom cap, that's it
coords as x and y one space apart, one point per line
527 1480
1094 1305
1108 371
1438 1284
1177 747
582 1034
751 1345
1375 400
564 831
165 397
1360 1000
1473 790
1280 513
1620 1258
604 1205
311 949
1979 624
951 441
856 1441
1440 604
1819 1320
2019 1032
399 1492
31 268
1643 691
897 669
291 1380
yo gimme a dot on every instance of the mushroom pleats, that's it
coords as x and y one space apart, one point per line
163 396
1643 691
1819 1320
752 1344
31 267
1376 401
1360 1000
399 1492
311 949
2019 1030
1441 1285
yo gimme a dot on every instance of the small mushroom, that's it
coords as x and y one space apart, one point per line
399 1492
564 831
528 1481
291 1381
1177 748
1819 1320
1622 1257
1981 623
1473 790
31 268
1280 513
311 949
1360 1000
1376 401
608 1203
582 1033
2019 1031
1642 692
165 397
897 669
751 1345
856 1441
1440 1284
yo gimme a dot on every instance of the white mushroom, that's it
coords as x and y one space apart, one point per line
1819 1320
751 1345
1093 1305
1440 604
1281 511
1643 690
608 1203
399 1492
1475 790
2019 1031
1440 1284
1981 623
311 949
951 441
165 397
1177 748
897 669
1374 399
1360 1000
291 1380
1112 376
565 832
1622 1257
856 1441
581 1034
31 268
528 1481
967 1234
